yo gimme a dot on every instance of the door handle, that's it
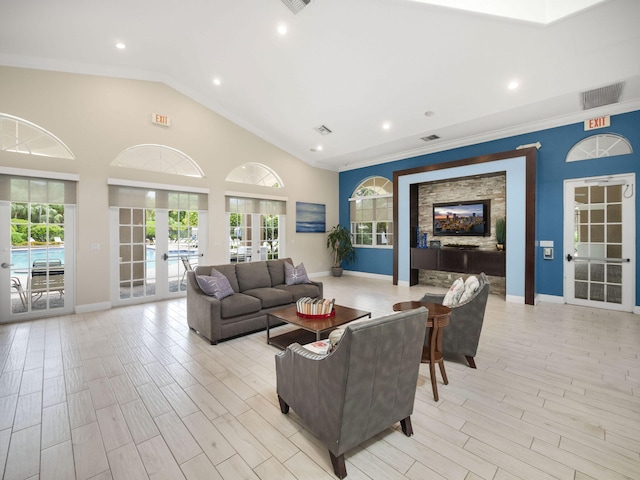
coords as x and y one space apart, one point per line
6 265
165 257
569 257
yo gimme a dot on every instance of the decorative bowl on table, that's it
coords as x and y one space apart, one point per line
307 307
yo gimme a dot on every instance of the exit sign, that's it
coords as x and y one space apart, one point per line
163 120
599 122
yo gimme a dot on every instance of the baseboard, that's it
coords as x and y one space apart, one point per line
548 299
93 307
514 299
377 276
354 273
318 274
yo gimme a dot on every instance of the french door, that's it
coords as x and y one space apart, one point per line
152 250
37 247
37 265
599 242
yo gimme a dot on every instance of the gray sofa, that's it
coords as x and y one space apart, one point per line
259 287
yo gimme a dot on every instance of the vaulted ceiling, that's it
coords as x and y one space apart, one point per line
353 66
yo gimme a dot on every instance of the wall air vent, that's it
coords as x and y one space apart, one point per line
322 130
296 5
599 97
430 138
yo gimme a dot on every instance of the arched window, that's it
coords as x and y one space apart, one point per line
158 158
597 146
255 174
371 213
21 136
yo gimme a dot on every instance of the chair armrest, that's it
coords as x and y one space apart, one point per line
432 297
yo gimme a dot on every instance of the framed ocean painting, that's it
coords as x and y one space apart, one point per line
311 217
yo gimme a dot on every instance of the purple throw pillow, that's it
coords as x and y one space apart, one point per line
295 275
216 285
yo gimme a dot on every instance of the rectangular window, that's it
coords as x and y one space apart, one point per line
372 221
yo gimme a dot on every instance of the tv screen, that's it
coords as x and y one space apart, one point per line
462 218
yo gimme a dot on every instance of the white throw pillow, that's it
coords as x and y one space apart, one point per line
471 286
455 292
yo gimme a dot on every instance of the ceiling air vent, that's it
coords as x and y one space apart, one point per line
430 138
601 96
296 5
322 130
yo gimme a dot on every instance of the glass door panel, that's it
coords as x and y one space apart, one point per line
183 247
136 254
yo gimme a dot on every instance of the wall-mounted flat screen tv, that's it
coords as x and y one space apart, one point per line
462 218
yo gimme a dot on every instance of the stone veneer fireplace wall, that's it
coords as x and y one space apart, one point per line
477 187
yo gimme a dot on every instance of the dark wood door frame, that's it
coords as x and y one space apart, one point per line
530 212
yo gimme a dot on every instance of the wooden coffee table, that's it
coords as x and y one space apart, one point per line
438 317
310 330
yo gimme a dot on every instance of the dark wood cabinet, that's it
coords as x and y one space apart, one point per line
460 261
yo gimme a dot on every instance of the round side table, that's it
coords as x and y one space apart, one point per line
438 318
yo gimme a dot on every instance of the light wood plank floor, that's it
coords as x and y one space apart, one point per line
133 393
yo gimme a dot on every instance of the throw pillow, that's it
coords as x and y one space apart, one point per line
216 285
471 286
455 292
295 275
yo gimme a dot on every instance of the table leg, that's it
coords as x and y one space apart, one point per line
442 370
268 317
433 337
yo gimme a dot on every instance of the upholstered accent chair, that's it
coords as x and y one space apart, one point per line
462 335
364 386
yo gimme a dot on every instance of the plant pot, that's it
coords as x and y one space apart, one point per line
336 271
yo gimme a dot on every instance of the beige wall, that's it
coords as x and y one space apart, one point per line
98 117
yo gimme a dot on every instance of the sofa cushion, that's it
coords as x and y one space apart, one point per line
270 297
276 271
301 290
239 304
229 271
215 285
252 275
295 275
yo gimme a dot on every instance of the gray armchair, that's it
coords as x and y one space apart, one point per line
462 335
365 385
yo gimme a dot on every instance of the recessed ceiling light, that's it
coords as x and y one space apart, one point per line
120 46
386 125
282 29
319 148
513 85
217 81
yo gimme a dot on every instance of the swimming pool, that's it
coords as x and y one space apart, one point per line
24 258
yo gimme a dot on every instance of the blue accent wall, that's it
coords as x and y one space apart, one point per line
551 171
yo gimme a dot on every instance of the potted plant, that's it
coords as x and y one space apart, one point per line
339 242
501 232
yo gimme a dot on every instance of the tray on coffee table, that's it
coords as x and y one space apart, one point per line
310 329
